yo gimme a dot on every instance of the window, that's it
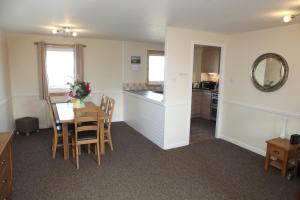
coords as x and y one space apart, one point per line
60 68
156 67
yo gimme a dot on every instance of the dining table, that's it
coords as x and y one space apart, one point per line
65 115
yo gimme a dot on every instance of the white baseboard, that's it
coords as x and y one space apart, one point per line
177 145
244 145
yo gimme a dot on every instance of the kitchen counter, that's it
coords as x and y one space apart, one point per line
145 112
149 95
203 90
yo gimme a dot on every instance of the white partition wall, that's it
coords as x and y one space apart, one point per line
145 116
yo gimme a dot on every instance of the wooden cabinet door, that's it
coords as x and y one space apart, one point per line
205 104
210 60
196 103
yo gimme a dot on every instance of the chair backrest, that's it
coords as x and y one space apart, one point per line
110 109
86 119
104 103
52 116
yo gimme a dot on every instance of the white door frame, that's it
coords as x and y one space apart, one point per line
221 82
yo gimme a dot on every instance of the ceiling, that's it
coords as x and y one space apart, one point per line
143 20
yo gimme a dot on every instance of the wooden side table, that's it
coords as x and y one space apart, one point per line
283 152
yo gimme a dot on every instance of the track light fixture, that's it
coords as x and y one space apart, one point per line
289 18
64 31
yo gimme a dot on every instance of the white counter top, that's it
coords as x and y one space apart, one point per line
148 95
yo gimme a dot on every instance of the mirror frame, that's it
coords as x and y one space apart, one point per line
282 80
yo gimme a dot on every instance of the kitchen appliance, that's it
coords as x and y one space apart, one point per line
208 85
214 105
196 85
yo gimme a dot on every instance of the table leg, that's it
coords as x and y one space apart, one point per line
267 161
102 147
285 165
65 140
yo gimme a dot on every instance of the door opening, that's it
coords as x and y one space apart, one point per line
205 92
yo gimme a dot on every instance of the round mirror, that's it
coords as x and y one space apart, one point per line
269 72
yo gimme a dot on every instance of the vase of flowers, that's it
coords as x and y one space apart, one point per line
79 90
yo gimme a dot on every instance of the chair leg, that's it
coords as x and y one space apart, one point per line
79 149
89 148
98 153
110 140
95 149
54 147
73 148
77 155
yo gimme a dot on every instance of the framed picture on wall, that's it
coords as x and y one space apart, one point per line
135 63
135 59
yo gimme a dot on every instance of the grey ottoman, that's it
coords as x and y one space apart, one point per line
27 125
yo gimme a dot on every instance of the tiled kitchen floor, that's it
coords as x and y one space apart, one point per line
202 129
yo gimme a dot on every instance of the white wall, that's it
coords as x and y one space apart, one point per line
251 116
103 61
178 80
247 117
6 119
137 49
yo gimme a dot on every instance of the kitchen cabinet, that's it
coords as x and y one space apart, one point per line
210 60
201 104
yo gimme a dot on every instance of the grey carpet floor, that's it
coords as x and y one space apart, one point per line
137 170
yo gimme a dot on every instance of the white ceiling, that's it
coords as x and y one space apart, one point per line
143 20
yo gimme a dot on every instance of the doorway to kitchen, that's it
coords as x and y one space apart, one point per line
205 92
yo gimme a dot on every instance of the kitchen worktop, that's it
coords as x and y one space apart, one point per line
203 90
156 97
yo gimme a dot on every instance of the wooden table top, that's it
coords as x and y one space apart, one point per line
65 112
283 143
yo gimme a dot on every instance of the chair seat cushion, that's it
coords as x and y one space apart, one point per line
86 135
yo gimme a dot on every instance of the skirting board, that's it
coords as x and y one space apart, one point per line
177 145
243 145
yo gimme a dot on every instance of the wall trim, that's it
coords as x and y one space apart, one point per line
5 100
25 94
244 145
166 104
264 109
176 145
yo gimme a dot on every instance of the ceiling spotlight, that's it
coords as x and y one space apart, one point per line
288 18
64 31
54 31
67 29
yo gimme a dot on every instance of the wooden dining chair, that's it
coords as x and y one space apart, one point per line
86 130
107 125
104 103
57 129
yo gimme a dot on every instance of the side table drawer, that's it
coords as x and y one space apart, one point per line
277 152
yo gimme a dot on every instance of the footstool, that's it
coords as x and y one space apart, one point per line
27 125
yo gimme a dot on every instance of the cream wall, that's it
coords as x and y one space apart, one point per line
6 119
179 47
103 60
260 115
137 49
247 117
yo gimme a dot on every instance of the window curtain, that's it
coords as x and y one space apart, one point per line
43 81
79 61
